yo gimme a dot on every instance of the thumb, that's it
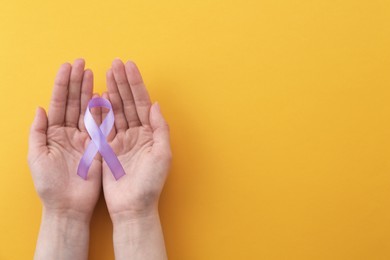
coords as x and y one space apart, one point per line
161 144
37 138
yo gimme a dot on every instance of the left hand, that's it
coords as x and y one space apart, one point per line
58 141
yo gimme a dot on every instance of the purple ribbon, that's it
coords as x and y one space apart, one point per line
99 143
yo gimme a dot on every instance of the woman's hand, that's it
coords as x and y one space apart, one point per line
140 140
58 141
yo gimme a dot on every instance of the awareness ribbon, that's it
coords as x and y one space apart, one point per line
98 141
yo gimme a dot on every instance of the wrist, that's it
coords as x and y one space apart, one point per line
131 216
66 215
70 225
139 237
63 235
133 230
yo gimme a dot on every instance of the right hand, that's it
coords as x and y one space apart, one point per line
141 142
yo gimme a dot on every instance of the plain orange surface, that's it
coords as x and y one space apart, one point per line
279 113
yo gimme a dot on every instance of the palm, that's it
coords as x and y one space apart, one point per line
58 166
134 142
57 144
133 148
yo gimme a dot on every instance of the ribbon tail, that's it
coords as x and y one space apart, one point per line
86 160
112 161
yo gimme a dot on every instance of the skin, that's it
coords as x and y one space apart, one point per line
140 139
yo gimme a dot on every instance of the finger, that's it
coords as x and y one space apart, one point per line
139 91
112 134
37 138
60 92
125 92
86 95
116 101
161 144
73 103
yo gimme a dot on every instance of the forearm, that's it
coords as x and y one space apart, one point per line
62 235
139 237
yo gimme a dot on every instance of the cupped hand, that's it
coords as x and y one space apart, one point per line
58 141
140 139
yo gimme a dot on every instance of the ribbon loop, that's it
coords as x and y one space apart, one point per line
98 141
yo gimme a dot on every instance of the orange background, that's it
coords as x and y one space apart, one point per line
279 113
